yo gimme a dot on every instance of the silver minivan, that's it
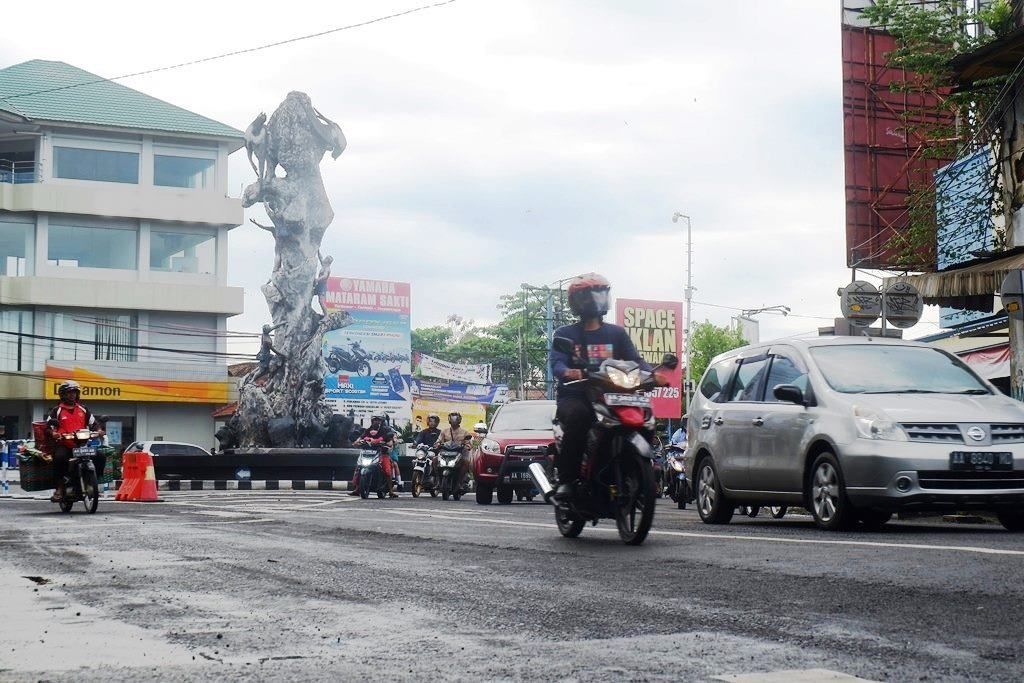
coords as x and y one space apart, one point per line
853 429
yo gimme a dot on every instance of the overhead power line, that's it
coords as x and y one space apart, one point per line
233 53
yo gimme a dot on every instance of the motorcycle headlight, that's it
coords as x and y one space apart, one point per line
678 465
625 380
872 424
490 446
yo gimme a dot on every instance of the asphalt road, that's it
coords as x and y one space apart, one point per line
302 585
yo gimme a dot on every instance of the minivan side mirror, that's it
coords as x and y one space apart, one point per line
670 361
790 393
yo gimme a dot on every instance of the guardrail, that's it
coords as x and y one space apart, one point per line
18 172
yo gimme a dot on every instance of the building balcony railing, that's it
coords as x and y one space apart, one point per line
18 172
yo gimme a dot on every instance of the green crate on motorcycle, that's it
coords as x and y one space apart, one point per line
106 474
36 474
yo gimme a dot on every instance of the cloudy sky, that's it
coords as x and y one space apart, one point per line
494 142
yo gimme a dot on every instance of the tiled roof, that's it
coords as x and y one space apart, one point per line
73 95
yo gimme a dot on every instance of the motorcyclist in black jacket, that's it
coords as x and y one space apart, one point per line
428 437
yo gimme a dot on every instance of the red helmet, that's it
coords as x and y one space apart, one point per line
588 295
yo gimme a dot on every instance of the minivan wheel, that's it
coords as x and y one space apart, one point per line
712 505
1012 520
827 493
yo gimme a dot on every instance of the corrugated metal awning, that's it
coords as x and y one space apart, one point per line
961 287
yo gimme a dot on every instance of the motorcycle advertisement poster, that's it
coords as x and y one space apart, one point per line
656 328
369 362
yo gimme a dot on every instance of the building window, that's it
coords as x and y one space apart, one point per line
15 347
91 336
175 171
95 164
72 246
182 252
15 248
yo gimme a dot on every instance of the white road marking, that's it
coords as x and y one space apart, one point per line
737 537
792 676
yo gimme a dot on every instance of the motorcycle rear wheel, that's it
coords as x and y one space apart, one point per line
363 369
635 516
90 492
569 525
417 484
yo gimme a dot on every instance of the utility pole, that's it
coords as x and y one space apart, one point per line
687 384
549 319
549 330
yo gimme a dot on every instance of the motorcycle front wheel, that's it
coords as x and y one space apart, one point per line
446 487
569 525
417 484
634 514
90 491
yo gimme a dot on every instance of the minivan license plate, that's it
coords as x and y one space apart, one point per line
966 460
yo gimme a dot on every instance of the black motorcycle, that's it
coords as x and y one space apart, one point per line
617 477
449 474
81 483
677 486
355 360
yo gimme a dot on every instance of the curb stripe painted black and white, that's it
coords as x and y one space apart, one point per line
233 485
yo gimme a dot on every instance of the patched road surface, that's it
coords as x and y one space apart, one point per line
319 585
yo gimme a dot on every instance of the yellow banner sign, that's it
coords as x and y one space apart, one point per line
111 384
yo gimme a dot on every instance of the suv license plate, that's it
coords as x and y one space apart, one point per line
980 462
519 475
634 400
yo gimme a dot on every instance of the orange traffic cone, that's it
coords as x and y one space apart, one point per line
129 477
146 490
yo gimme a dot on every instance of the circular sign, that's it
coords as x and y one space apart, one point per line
1012 294
903 304
861 303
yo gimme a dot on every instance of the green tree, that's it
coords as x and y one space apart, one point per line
431 340
515 346
707 340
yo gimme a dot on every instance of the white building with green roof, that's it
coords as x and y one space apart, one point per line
114 222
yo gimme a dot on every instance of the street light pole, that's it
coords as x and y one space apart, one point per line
688 389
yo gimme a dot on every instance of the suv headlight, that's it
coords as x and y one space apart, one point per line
872 424
490 446
625 380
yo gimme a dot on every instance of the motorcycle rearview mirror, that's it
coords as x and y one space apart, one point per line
563 345
670 361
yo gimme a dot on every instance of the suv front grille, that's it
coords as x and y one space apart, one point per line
526 451
1008 433
933 433
944 479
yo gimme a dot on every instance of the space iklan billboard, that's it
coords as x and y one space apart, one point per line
369 362
656 328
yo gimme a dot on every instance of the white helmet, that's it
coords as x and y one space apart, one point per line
480 428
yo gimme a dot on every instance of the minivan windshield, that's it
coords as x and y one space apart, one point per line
890 369
525 416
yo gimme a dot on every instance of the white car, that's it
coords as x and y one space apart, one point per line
156 448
